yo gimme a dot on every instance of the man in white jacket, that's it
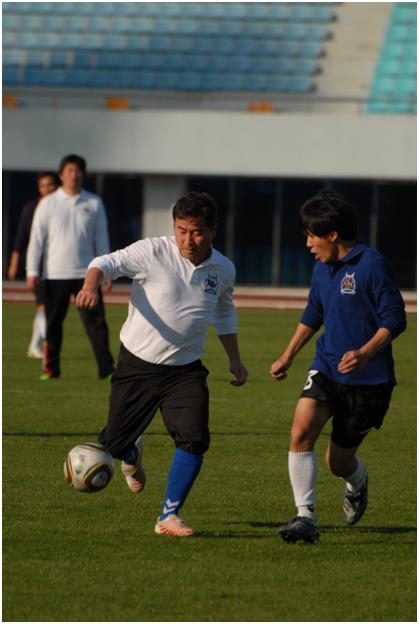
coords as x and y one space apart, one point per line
180 285
69 228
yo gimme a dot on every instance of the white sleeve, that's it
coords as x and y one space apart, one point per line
133 261
37 240
224 318
101 242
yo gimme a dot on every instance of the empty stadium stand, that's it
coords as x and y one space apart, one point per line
203 47
393 89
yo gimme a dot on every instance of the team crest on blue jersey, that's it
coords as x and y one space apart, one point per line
348 284
211 284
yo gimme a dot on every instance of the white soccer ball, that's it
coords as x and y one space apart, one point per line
88 467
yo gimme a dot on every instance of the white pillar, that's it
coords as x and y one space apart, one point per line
160 192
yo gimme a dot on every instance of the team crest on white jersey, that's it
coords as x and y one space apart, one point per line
211 284
348 284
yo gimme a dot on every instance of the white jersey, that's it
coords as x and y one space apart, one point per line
67 232
172 301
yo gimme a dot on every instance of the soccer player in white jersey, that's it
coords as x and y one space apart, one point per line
180 284
69 228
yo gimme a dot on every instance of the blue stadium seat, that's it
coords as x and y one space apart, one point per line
45 77
32 40
393 89
178 45
82 60
13 57
139 42
233 82
150 9
10 22
112 41
189 81
11 75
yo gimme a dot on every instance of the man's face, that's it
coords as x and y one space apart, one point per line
324 248
46 185
193 238
71 178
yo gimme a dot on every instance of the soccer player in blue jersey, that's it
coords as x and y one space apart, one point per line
354 297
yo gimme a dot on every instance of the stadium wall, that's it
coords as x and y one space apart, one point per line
214 143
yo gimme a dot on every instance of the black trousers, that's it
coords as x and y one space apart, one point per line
57 300
140 388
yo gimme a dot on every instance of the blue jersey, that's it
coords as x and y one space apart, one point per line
353 298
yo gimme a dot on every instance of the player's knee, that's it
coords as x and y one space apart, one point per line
196 447
300 439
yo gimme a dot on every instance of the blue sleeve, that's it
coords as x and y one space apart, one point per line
313 313
387 298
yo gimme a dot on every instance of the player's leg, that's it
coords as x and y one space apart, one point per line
310 417
36 346
344 463
361 409
133 401
185 413
57 298
98 333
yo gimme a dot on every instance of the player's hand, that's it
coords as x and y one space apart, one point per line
240 373
87 298
352 361
32 282
279 367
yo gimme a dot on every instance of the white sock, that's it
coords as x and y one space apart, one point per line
42 323
302 469
38 330
355 481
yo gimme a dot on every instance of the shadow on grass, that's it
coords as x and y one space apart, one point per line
339 529
232 535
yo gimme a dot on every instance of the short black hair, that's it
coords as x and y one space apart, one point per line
194 205
47 174
329 212
74 159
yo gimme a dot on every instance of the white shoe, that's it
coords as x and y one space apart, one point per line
135 475
173 525
35 352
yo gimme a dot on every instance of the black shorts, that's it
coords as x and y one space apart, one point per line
139 389
354 409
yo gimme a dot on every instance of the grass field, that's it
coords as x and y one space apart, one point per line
68 556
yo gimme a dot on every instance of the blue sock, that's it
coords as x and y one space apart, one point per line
182 474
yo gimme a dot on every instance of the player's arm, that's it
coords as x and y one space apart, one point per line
301 336
231 347
88 296
389 306
13 265
101 242
353 361
38 237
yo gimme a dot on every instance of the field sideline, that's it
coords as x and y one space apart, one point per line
74 557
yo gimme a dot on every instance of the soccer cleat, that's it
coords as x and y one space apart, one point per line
355 503
47 377
300 528
35 352
173 525
135 475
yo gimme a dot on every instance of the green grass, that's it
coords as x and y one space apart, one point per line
68 556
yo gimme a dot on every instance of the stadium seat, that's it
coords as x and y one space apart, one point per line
13 57
11 75
190 46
